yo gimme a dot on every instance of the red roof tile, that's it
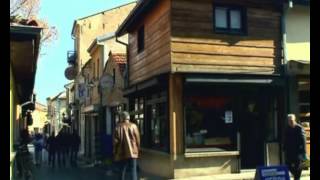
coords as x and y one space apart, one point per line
121 60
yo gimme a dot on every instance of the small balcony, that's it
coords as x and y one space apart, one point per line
72 57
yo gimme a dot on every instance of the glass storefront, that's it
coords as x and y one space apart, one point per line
210 123
150 113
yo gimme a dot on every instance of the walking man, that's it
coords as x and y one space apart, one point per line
126 145
51 147
60 139
75 144
295 146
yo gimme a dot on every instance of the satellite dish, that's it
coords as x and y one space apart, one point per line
106 81
70 73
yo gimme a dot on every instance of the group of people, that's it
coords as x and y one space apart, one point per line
126 147
62 147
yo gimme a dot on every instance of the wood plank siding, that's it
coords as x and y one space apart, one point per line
155 58
196 48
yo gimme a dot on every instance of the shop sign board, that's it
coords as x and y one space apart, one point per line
228 117
272 173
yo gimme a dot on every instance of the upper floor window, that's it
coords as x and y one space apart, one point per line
141 39
229 20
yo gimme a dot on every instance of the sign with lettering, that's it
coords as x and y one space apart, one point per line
272 173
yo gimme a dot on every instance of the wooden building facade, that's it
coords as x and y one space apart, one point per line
197 71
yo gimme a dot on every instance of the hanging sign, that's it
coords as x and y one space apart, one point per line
228 117
70 73
106 81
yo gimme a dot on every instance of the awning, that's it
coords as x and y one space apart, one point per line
235 79
295 67
91 108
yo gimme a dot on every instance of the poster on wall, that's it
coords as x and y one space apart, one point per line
228 117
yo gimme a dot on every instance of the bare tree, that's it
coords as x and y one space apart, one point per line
29 9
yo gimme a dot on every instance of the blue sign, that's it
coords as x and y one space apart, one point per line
272 173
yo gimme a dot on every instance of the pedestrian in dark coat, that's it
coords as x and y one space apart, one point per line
295 146
75 144
61 149
51 146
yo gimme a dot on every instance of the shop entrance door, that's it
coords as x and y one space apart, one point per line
251 128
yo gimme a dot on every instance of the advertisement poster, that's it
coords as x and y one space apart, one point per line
228 117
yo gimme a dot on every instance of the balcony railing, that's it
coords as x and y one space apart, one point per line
72 57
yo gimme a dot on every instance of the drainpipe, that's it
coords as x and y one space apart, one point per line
127 66
285 9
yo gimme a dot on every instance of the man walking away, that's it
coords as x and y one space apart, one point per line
61 148
51 146
126 145
295 146
75 144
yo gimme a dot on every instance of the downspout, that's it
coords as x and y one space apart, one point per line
285 9
127 66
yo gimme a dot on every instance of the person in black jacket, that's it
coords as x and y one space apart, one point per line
295 146
75 144
51 146
61 146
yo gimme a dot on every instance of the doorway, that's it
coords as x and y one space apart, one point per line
252 130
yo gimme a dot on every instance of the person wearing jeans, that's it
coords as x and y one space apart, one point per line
126 145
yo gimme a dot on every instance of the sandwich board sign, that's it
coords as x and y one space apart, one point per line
272 173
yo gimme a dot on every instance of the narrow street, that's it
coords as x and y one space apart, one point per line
82 172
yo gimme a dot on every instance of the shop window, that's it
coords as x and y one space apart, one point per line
159 127
210 123
151 115
138 114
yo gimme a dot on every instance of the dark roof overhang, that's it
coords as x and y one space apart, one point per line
24 51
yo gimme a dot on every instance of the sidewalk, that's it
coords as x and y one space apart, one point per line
110 173
241 176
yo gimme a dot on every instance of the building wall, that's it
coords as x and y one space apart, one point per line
204 166
96 71
115 94
155 58
179 37
298 33
87 29
195 47
115 47
39 118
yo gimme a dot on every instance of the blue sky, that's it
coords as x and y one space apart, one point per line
50 78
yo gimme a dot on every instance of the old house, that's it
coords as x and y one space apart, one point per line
39 116
113 102
205 79
25 35
56 111
296 38
84 32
